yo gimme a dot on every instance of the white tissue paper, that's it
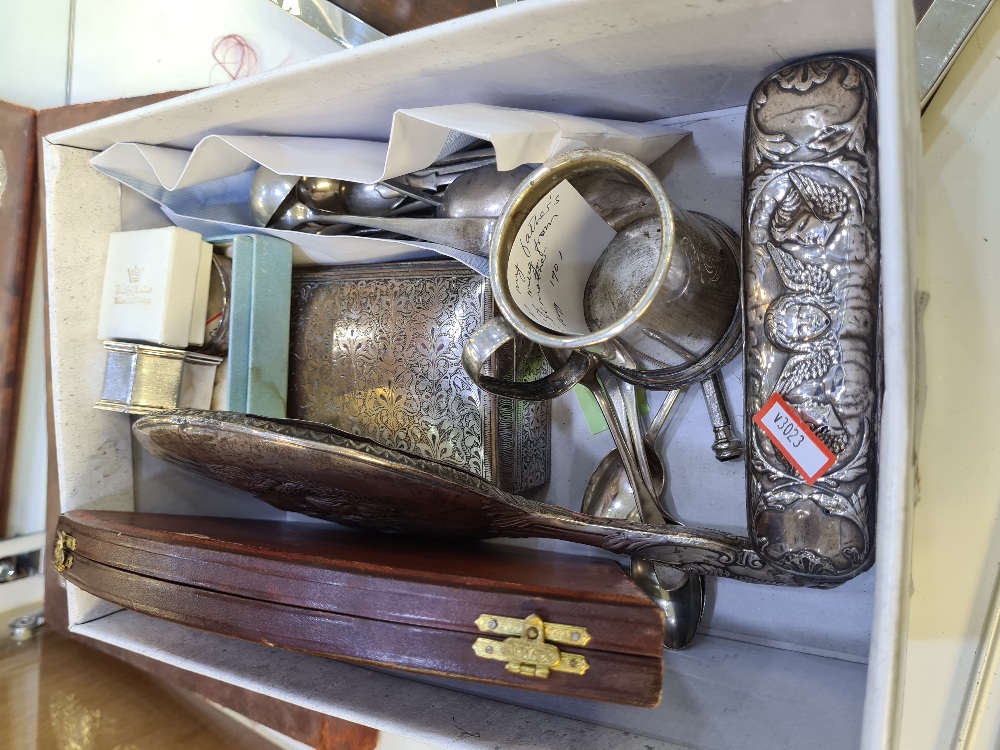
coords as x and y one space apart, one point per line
206 189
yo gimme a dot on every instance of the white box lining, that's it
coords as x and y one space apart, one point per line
485 56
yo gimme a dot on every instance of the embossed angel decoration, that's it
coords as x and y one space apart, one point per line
804 320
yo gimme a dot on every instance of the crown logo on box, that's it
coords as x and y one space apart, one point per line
135 273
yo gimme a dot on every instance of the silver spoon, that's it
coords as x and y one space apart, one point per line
609 493
277 194
679 595
475 192
361 199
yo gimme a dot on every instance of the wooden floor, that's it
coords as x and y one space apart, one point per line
56 694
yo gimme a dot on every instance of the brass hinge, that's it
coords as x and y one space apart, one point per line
526 651
61 558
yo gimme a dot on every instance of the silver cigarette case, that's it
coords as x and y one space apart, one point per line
142 379
376 352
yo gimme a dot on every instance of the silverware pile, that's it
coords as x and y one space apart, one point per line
666 307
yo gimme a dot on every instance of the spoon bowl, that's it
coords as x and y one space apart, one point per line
268 192
609 494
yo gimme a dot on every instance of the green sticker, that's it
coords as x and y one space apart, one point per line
592 412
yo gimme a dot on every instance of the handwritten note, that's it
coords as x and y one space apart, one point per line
553 254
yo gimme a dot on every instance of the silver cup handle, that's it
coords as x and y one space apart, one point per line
487 339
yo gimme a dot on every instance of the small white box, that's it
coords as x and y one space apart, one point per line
150 281
776 667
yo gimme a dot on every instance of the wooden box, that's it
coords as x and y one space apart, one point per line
440 608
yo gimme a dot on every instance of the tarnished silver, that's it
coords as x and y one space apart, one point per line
376 352
727 447
811 296
811 287
319 471
666 289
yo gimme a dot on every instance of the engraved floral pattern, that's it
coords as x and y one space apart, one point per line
377 352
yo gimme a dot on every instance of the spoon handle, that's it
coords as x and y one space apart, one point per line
410 192
648 511
660 418
471 235
695 551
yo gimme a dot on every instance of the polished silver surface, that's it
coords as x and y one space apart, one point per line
463 213
480 192
941 34
307 203
269 191
385 198
811 289
376 352
617 413
471 235
666 290
609 494
682 600
143 379
332 21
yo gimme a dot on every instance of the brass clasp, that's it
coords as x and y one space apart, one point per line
527 650
61 558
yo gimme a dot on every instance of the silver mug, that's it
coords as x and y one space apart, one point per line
666 289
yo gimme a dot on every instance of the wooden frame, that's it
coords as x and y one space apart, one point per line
17 220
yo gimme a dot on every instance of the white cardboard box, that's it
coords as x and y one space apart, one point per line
776 667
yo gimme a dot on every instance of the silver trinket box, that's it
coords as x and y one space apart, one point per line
376 351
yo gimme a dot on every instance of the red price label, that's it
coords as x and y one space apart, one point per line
790 435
